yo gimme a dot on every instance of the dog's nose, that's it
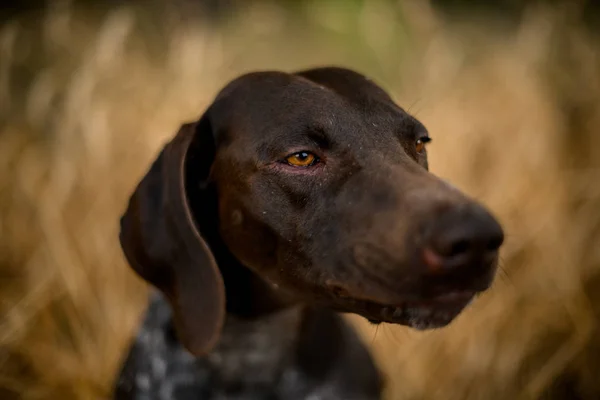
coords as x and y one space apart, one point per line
462 236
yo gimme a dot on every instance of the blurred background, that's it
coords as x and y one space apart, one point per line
509 90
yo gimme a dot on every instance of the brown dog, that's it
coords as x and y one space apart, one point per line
294 196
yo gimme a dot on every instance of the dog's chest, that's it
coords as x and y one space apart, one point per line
249 362
254 353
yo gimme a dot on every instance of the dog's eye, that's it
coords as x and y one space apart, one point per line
420 144
302 159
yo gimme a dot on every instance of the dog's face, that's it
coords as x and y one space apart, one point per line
320 185
323 190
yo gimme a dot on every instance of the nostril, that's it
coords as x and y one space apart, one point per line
452 245
458 248
469 236
462 240
461 243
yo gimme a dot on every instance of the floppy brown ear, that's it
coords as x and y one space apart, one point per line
162 243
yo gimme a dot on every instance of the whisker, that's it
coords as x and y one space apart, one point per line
389 332
375 334
409 109
503 273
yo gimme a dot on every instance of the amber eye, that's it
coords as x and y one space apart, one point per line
302 159
420 144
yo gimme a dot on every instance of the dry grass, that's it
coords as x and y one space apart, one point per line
86 101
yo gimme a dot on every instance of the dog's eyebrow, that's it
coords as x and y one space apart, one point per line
313 137
412 128
420 129
319 136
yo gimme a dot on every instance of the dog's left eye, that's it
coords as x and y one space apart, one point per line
420 144
302 159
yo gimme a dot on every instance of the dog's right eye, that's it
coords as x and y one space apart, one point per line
302 159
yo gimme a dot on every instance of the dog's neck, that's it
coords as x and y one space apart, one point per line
248 295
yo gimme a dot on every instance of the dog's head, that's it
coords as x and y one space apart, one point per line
318 183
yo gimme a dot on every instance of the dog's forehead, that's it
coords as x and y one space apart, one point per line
257 104
352 86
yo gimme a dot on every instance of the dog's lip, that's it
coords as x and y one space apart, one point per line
450 297
425 313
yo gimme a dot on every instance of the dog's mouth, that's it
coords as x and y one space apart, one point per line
434 312
427 314
433 302
428 303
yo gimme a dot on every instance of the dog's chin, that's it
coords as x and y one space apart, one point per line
427 314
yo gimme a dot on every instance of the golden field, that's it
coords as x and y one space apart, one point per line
89 96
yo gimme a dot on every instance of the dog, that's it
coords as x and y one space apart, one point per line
295 198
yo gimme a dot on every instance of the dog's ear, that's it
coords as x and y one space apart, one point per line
162 242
